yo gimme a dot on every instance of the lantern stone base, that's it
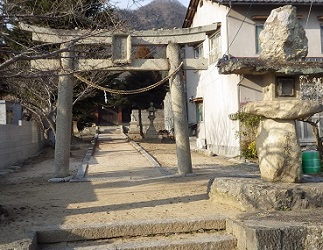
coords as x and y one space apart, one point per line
134 132
278 150
151 133
250 194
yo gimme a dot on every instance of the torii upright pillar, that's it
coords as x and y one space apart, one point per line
64 114
177 93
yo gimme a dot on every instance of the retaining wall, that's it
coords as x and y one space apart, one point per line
17 143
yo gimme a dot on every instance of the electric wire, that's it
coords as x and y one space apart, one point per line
309 13
242 22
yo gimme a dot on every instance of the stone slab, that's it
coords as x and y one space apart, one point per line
129 229
283 109
249 194
254 235
197 241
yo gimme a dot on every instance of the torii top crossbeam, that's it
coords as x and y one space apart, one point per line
156 37
121 54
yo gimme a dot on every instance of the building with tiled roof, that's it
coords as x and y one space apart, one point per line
218 93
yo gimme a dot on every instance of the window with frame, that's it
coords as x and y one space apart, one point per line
304 132
259 28
215 47
321 28
285 86
198 51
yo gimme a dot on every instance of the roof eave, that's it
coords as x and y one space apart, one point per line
192 8
256 66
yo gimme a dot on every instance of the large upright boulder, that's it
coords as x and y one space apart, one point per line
278 150
283 37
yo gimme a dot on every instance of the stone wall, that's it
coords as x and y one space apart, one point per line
18 143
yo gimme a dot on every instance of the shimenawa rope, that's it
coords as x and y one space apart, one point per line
128 92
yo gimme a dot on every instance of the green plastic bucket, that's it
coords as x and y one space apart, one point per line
311 163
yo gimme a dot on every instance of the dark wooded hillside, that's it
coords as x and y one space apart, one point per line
155 15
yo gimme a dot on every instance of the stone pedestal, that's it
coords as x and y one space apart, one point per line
250 193
134 132
151 133
278 151
277 144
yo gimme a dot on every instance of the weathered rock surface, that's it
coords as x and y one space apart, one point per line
284 109
253 234
283 37
252 194
278 151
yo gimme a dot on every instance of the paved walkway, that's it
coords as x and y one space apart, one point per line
117 158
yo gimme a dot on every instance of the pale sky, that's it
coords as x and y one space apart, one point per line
134 4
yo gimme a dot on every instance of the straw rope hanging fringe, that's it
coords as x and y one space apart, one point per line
128 92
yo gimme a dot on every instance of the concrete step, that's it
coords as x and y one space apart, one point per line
190 233
190 241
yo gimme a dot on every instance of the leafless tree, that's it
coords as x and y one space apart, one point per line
37 90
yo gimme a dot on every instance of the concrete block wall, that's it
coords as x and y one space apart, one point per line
17 143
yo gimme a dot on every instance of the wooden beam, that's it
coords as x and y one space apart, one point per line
108 65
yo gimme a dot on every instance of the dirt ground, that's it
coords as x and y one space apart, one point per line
32 202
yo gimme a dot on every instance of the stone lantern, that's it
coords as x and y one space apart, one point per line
151 132
151 114
282 61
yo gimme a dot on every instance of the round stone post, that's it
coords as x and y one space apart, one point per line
178 99
64 114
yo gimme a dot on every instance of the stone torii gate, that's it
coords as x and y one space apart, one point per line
121 46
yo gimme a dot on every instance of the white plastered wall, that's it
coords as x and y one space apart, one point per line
219 92
223 94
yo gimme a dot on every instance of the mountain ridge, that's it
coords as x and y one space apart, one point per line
155 15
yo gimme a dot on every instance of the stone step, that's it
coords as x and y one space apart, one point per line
203 231
268 233
129 229
189 241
